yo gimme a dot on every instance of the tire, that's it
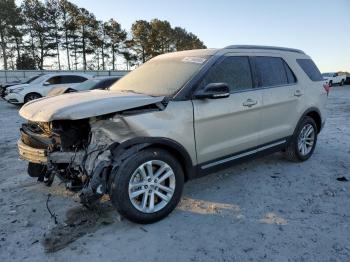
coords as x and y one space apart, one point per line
342 82
330 84
296 153
31 96
121 190
36 170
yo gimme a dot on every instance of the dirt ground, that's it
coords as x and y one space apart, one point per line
264 210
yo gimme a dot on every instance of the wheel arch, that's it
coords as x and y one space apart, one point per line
173 147
315 114
30 93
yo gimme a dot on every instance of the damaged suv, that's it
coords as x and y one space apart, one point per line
175 118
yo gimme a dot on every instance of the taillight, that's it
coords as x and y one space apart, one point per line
327 88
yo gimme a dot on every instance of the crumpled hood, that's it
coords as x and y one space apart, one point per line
74 106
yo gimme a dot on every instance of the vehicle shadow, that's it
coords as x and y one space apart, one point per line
81 221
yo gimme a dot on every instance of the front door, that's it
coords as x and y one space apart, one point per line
227 126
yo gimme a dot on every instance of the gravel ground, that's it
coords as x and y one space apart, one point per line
263 210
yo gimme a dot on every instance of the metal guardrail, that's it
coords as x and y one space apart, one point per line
7 76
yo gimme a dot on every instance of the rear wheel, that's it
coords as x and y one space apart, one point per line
31 96
342 82
330 83
147 186
303 141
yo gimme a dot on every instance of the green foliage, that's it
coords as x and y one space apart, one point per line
9 19
42 31
150 39
25 62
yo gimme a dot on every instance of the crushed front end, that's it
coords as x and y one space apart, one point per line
69 150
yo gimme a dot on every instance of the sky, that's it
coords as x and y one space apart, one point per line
321 28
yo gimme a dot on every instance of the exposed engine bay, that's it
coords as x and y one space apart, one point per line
81 153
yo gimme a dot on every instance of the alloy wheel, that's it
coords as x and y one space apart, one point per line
306 139
152 186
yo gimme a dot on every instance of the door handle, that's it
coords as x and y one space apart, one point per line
298 93
250 102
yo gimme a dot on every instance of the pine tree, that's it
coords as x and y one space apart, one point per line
116 39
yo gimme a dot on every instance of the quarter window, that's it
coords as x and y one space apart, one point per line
271 71
233 70
310 69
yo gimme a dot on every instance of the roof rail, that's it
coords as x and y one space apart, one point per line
265 48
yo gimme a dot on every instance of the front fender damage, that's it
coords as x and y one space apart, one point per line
104 155
100 163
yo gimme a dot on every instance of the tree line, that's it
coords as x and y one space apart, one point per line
71 37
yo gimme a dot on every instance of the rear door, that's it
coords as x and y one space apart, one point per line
224 127
280 94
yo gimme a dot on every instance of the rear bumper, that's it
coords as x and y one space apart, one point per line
31 154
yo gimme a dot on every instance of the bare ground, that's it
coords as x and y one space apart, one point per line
264 210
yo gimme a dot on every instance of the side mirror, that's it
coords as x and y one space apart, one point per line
46 84
214 91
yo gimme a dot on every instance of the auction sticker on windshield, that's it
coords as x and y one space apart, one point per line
191 59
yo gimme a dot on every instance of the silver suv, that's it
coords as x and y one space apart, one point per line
175 118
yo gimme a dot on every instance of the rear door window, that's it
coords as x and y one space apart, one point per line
233 70
56 80
290 75
310 69
271 71
72 79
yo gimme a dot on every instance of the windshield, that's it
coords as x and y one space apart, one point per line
39 79
327 74
87 85
31 79
161 76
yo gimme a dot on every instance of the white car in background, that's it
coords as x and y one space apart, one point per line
334 78
101 83
40 87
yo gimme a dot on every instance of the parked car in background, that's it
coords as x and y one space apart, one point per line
334 78
347 80
41 86
91 84
177 117
4 86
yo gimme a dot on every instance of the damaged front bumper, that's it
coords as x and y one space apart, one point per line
34 155
41 156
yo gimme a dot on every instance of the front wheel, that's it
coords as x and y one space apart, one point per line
303 142
342 82
31 96
147 186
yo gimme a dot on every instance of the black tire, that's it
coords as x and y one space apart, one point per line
36 170
292 152
342 82
330 84
31 96
119 186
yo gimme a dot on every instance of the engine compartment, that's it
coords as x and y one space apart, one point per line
64 135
